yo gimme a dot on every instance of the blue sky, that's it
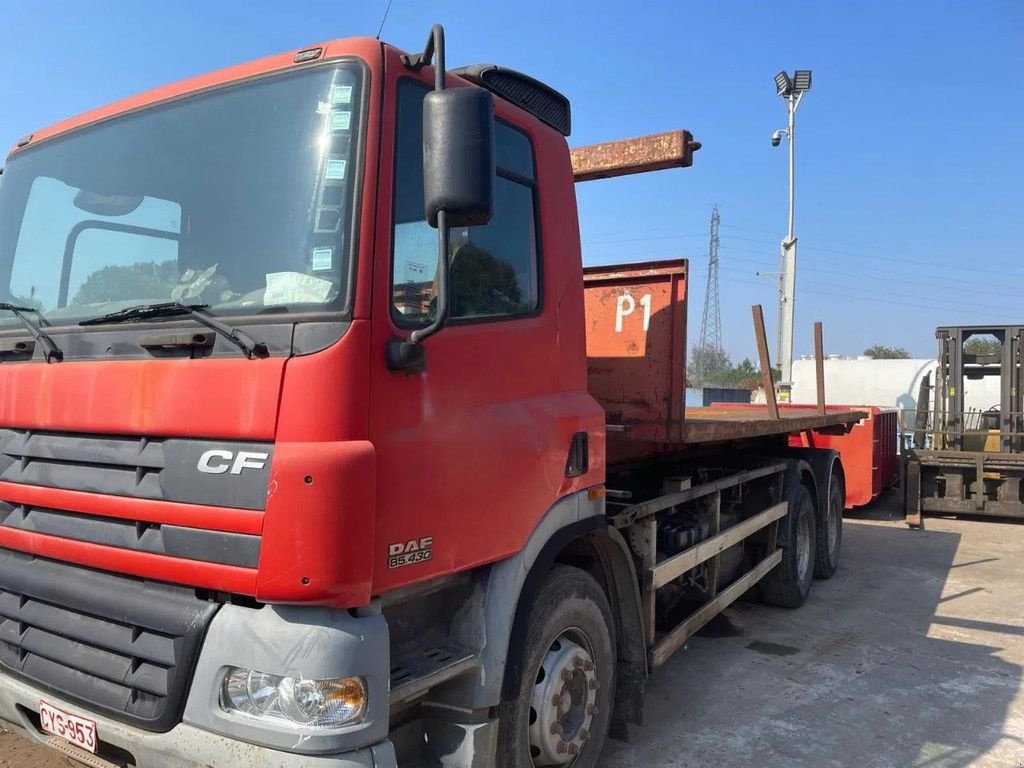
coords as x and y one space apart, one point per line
911 145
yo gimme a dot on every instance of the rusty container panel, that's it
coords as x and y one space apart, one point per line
636 347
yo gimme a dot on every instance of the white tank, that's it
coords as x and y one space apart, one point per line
885 383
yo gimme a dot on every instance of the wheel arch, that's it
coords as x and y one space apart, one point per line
603 553
574 529
818 465
799 471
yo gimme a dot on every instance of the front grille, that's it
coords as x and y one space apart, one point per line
238 549
119 646
164 469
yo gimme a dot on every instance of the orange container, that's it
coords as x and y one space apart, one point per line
868 450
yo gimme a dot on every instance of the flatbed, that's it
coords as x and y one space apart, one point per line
722 424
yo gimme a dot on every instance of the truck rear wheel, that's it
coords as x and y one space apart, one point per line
560 713
788 585
830 532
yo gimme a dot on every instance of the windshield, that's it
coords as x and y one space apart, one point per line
240 198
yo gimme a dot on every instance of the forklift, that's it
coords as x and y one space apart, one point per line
968 461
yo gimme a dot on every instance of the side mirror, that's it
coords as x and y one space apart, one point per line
458 180
458 156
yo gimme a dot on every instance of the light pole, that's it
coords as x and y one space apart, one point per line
791 90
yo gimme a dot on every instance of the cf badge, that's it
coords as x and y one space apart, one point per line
408 552
217 462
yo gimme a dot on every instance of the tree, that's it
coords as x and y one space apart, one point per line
882 352
983 345
482 284
742 376
707 364
142 281
745 375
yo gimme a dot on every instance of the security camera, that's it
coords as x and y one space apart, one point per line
777 138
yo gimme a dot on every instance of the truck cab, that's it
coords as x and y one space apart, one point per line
196 510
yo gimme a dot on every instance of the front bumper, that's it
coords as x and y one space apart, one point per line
284 640
185 746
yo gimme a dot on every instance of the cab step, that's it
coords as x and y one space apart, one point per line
415 673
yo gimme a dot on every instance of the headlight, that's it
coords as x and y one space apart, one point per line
293 701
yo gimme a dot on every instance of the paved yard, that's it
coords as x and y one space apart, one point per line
911 656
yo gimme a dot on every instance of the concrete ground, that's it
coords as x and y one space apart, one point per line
912 655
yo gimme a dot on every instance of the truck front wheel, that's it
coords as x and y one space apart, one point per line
560 713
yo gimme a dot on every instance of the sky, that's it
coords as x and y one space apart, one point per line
910 145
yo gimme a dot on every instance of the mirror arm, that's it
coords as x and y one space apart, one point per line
435 49
441 317
434 45
409 354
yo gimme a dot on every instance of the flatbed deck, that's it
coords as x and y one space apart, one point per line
722 425
717 424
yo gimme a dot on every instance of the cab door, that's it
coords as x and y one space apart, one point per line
471 450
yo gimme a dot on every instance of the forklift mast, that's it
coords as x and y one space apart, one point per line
974 461
957 365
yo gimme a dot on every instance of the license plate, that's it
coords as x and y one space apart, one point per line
79 731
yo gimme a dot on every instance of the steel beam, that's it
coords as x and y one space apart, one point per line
669 644
675 566
656 152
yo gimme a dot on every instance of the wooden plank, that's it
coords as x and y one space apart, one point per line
819 366
669 644
655 152
766 366
648 508
677 565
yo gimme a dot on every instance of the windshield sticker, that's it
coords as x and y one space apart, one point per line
295 288
335 169
322 259
341 94
341 119
192 283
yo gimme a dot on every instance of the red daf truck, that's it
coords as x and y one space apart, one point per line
280 487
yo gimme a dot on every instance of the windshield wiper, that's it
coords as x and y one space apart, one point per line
240 339
50 348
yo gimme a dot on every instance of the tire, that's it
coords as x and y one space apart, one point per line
788 585
830 531
568 655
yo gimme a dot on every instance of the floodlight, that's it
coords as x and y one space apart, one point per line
801 80
783 84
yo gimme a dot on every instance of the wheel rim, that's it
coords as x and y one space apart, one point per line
803 546
564 700
832 523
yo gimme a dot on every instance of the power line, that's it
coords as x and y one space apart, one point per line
887 272
912 277
947 267
823 289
